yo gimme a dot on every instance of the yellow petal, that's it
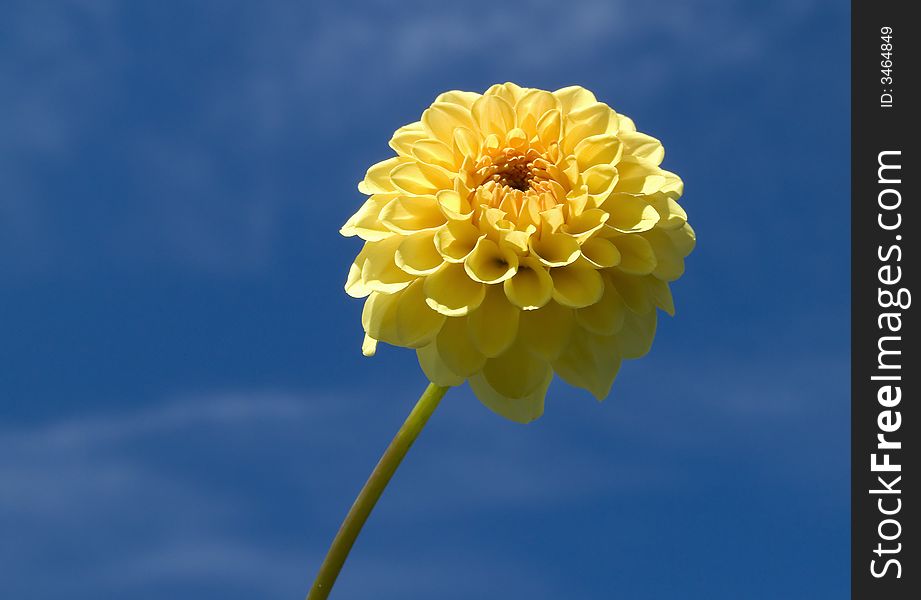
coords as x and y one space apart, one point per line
529 215
369 346
434 152
632 289
578 200
365 223
416 323
493 220
553 218
574 97
673 184
531 287
642 146
576 287
520 410
516 373
465 99
466 144
354 287
380 272
630 214
603 149
601 253
493 115
583 225
547 330
528 123
441 118
379 317
492 327
492 142
409 214
404 138
535 103
661 294
435 368
488 263
635 338
519 241
637 256
517 138
453 205
625 124
683 238
571 170
457 350
590 362
377 179
508 91
601 180
374 269
418 179
606 316
669 261
671 215
401 318
550 127
555 249
584 122
451 292
639 178
417 254
456 240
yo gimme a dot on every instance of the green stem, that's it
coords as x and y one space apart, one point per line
371 492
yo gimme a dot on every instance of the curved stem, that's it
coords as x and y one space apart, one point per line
371 492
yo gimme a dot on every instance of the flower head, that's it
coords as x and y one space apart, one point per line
515 234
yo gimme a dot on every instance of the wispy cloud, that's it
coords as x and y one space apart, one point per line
109 495
54 62
188 492
101 431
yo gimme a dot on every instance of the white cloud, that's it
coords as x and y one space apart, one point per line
104 494
101 431
183 492
53 61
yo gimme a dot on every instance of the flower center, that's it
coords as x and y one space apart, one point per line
516 169
510 178
515 174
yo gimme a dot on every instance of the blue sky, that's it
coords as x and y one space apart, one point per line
184 409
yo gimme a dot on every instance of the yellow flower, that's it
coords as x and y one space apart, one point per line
515 234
